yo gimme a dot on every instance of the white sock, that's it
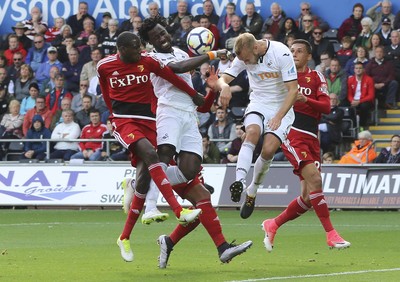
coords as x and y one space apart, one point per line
152 197
261 168
244 160
175 175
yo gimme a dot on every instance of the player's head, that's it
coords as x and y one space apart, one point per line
301 50
153 31
246 48
128 45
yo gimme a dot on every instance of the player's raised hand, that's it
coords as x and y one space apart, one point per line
198 99
212 78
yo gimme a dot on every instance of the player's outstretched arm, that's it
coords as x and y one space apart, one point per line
225 90
212 79
195 62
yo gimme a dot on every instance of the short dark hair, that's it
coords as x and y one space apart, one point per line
205 135
149 24
359 5
305 43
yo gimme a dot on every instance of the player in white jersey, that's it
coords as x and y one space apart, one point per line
177 123
273 80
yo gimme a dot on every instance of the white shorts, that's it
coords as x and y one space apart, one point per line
267 113
179 128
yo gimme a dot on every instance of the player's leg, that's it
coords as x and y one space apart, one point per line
312 176
142 185
145 151
254 126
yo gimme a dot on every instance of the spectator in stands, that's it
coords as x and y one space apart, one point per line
21 85
336 80
228 39
43 72
210 151
14 46
50 82
274 22
307 28
3 61
385 32
365 34
252 21
224 22
37 55
88 29
222 128
67 130
76 21
375 41
362 151
325 59
391 154
14 71
378 16
53 99
352 25
4 79
72 71
103 28
113 150
179 37
11 122
236 144
361 93
29 102
320 45
305 11
330 126
65 32
127 25
361 56
36 149
4 100
205 22
154 9
208 10
328 158
382 72
91 150
83 116
35 25
174 20
396 23
52 32
85 53
240 91
89 69
19 29
57 117
289 27
393 52
78 98
41 109
222 64
109 40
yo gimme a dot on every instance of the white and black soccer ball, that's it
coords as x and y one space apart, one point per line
200 40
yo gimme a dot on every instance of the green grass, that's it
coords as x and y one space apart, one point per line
71 245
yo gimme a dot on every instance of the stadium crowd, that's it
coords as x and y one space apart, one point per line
49 87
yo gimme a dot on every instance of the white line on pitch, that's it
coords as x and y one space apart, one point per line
318 275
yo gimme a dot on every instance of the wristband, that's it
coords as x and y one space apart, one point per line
212 55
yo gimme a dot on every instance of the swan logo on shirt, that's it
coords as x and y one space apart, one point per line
127 80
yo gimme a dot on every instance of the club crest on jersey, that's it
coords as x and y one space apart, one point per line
304 154
141 68
308 79
131 135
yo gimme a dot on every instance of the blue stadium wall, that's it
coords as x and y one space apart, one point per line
12 11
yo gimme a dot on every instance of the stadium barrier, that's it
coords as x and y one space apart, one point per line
98 184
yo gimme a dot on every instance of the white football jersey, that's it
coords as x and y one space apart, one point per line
167 93
267 78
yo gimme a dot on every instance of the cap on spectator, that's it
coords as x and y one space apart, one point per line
107 14
19 25
386 21
34 85
51 49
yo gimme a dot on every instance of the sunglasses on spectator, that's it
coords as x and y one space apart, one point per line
307 20
305 9
17 59
37 42
317 33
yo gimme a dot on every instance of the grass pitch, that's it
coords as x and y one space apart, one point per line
72 245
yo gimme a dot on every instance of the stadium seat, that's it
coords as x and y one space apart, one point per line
331 34
29 161
237 113
350 123
54 161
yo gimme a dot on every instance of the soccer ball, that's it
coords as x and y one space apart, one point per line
200 40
